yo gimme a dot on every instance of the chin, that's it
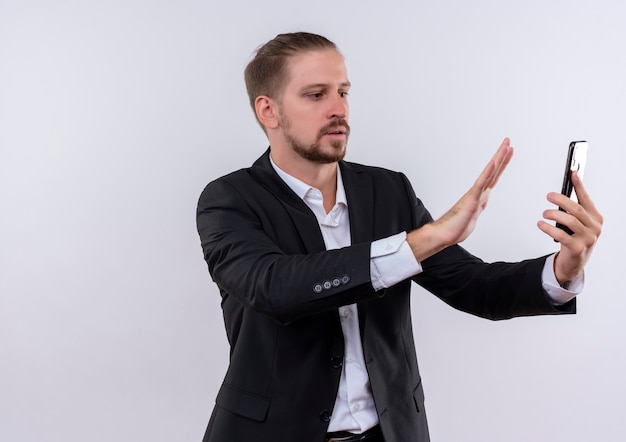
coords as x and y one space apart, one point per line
322 154
335 153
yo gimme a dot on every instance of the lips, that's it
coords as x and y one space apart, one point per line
335 128
337 131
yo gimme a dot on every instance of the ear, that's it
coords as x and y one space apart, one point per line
266 111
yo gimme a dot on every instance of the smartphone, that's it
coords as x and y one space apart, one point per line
576 162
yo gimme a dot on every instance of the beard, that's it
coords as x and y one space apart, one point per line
314 152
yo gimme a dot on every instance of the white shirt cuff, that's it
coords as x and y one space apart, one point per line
557 294
392 261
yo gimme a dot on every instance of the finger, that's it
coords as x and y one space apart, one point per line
557 234
564 202
578 220
581 237
572 214
585 211
492 171
503 162
485 176
583 196
575 224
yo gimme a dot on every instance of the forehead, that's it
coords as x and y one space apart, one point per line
316 67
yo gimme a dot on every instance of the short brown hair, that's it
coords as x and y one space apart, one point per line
267 72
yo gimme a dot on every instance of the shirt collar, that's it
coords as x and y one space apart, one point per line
301 188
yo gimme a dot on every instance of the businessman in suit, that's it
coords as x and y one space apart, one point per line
314 258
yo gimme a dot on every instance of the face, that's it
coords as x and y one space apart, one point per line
313 107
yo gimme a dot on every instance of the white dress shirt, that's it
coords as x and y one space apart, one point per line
391 261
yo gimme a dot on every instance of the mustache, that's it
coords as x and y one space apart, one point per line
339 122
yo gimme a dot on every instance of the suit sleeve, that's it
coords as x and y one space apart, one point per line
498 290
256 256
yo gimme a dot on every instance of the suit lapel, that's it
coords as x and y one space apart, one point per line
359 193
360 196
302 217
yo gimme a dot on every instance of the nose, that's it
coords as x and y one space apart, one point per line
338 107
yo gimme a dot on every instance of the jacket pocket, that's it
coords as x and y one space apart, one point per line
249 405
418 397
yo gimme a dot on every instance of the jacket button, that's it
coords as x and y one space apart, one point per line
325 416
336 361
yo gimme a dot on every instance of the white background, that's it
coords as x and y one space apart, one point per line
114 115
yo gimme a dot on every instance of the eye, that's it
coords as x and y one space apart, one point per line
343 94
316 95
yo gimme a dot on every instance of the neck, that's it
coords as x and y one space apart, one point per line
322 176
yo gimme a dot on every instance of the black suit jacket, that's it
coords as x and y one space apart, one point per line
281 289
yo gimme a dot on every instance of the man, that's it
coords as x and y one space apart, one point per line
314 256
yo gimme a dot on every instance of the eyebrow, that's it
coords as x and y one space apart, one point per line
325 85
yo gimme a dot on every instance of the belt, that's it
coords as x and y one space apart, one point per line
372 435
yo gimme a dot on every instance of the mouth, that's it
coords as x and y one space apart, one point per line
337 131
